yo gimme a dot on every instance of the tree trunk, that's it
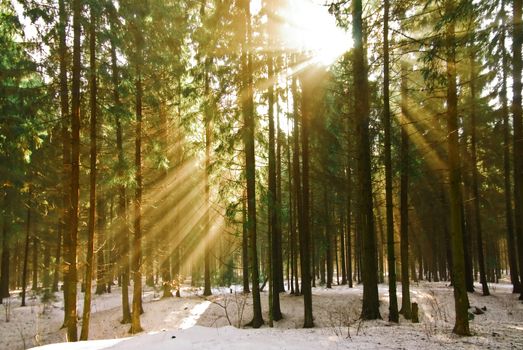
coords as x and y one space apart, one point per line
391 258
66 150
404 205
328 239
517 40
511 241
208 144
295 184
136 257
342 247
71 235
26 250
34 284
370 308
122 240
475 179
274 227
245 245
4 272
250 165
304 235
86 317
349 224
461 326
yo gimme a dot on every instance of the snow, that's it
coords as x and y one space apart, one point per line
195 322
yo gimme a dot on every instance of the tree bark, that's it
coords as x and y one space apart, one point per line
511 240
461 325
475 179
250 165
391 258
404 205
71 235
245 245
26 252
4 272
304 233
122 251
370 308
274 228
86 317
136 257
517 41
208 143
66 150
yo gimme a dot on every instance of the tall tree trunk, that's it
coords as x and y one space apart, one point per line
208 144
274 228
305 250
349 224
66 150
245 245
136 256
342 246
71 235
404 205
34 284
26 250
296 176
475 178
370 308
328 239
461 325
511 240
250 165
391 258
517 41
86 317
279 237
123 240
4 272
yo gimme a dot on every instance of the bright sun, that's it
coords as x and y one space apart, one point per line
308 26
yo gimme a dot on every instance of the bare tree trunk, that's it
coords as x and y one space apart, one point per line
511 240
4 279
305 247
34 284
296 173
250 165
136 257
391 258
517 40
86 317
26 250
245 245
461 326
123 249
208 144
274 227
370 308
475 180
71 235
404 205
66 150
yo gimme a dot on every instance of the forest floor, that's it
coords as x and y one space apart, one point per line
192 322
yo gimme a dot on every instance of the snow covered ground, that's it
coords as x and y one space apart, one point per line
192 322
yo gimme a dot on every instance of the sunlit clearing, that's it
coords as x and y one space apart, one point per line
309 27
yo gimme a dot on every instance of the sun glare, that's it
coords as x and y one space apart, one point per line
309 27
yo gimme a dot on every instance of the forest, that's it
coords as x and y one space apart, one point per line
343 165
